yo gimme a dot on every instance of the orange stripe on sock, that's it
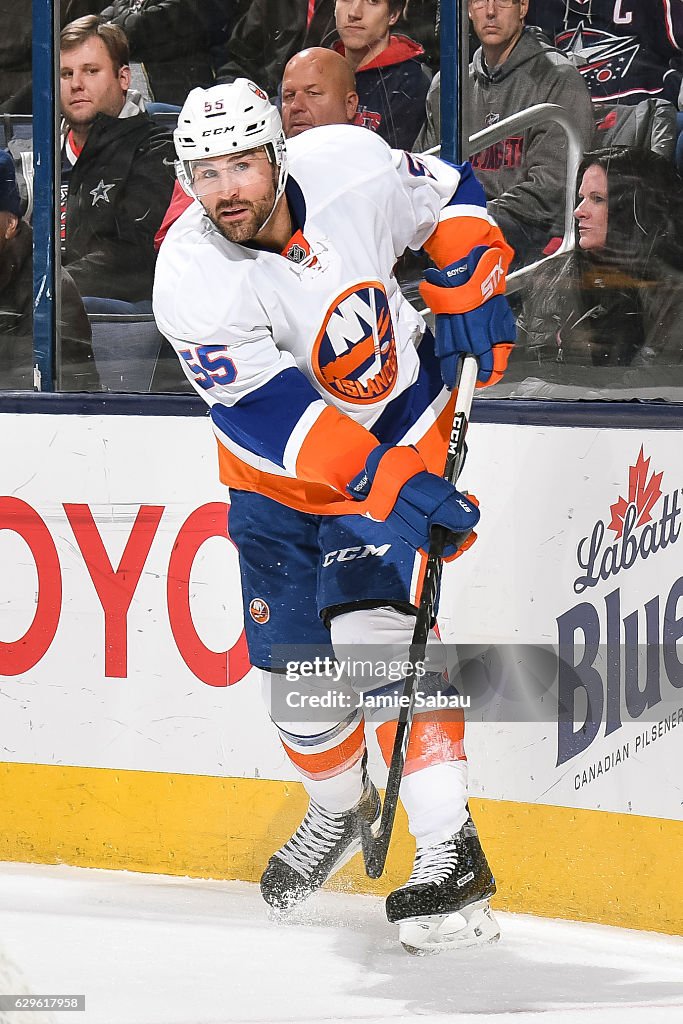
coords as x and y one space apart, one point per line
328 763
435 738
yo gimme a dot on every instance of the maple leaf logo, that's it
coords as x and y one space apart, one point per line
642 493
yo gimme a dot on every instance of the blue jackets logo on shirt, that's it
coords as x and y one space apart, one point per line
354 355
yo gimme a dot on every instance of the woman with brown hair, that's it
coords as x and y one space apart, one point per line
617 299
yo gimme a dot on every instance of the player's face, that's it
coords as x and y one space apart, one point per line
237 192
90 83
497 24
591 213
362 24
311 97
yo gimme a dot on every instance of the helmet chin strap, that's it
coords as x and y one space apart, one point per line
281 183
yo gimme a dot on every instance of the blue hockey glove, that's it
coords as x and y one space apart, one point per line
399 491
473 316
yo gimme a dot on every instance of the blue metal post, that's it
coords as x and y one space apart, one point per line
454 79
46 254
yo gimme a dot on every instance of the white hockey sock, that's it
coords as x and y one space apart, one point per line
340 793
434 799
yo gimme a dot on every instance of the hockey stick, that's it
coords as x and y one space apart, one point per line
375 843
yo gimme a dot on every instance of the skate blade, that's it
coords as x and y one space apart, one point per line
472 926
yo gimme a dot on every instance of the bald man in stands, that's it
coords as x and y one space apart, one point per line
318 87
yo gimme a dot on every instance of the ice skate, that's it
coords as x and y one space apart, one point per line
444 904
321 845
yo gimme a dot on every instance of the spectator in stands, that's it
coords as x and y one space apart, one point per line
630 57
173 39
617 300
16 19
524 176
117 175
626 51
391 80
268 34
318 87
78 371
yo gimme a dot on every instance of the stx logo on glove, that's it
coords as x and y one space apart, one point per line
490 283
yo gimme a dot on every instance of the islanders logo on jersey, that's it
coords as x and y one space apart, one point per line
259 610
354 355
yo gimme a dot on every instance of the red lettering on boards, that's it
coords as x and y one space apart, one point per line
21 655
214 668
115 588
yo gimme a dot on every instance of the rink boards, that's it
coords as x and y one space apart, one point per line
133 734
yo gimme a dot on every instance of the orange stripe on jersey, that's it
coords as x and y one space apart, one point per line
322 498
434 444
434 739
456 236
328 763
318 499
335 449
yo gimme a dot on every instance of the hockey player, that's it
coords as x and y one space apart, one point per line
332 419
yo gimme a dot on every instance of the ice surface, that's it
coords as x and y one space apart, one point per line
150 949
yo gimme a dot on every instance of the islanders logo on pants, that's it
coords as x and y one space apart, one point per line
354 355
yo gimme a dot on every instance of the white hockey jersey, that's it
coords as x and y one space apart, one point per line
309 358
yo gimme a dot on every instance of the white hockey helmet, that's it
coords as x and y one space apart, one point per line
228 119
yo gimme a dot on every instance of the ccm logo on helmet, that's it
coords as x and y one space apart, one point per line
490 283
218 131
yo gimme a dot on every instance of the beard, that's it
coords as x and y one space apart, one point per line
246 229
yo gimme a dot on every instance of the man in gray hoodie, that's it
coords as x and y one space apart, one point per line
524 175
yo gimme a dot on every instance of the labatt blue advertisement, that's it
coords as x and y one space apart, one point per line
629 663
574 606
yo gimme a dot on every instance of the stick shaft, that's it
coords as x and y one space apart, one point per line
376 844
